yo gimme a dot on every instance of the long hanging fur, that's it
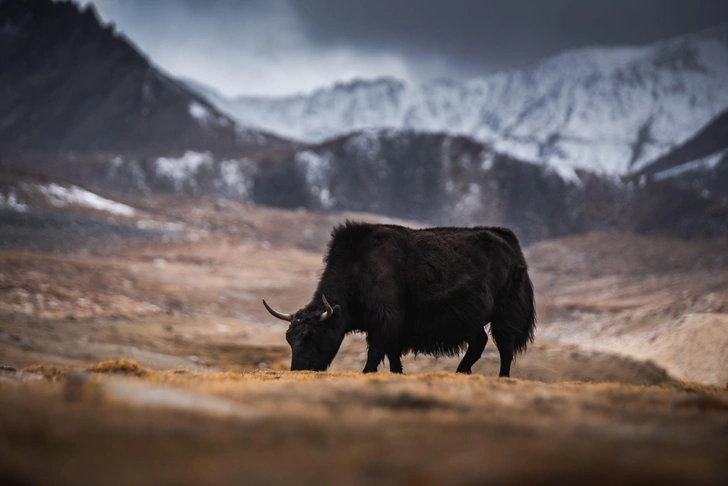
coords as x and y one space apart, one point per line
514 319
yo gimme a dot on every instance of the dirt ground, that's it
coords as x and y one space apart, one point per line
202 396
123 424
647 298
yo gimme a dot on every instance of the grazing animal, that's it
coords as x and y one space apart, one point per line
429 291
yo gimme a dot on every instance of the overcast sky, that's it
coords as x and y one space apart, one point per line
285 46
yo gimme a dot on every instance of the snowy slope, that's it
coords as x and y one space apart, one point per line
609 110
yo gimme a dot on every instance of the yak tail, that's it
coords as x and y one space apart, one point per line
514 320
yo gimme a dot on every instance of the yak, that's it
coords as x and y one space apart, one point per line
431 291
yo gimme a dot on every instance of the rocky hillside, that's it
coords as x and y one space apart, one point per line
69 84
450 180
702 161
609 110
79 103
434 178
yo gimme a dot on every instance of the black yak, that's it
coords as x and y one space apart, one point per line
429 291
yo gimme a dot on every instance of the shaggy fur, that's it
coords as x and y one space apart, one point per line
429 291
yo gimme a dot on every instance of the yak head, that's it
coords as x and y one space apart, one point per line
315 334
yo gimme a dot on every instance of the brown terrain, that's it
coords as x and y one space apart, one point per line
150 360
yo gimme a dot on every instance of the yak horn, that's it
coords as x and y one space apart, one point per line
329 311
279 315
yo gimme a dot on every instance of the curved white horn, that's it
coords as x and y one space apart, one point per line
279 315
329 311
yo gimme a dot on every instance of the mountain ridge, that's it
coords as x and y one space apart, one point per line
80 104
72 84
608 110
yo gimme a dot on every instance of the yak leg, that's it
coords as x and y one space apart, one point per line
395 363
504 343
375 355
476 345
383 339
506 357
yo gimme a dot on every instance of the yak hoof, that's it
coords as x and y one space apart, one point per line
465 372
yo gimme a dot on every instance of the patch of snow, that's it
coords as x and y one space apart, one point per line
486 160
327 200
11 202
200 113
60 196
233 177
365 144
316 170
182 169
137 173
706 163
146 224
248 135
115 164
469 204
567 174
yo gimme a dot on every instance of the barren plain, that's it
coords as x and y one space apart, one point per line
139 353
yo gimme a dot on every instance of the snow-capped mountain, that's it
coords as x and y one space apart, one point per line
608 110
79 102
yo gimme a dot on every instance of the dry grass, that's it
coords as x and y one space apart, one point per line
649 298
123 424
160 366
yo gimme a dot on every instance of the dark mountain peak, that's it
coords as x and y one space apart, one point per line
69 83
65 13
58 32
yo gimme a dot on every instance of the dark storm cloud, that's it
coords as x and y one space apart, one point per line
481 35
284 46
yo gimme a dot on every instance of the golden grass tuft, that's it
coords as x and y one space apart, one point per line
689 386
48 371
125 366
57 372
